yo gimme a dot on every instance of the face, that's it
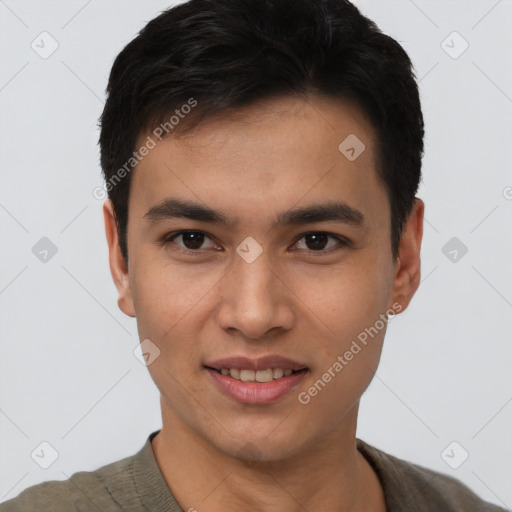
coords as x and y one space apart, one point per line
265 280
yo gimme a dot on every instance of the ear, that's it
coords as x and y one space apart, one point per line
117 264
407 274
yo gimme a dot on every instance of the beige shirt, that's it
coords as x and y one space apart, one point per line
135 484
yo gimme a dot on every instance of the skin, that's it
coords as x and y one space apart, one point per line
295 301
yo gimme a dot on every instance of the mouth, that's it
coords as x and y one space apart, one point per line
256 381
261 376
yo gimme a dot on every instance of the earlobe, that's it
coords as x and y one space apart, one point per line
407 275
118 268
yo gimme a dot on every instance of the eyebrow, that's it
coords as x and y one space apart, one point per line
331 211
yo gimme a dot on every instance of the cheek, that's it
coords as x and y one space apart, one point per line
346 304
173 304
346 360
165 295
345 298
166 302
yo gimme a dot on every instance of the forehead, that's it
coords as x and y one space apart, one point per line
275 153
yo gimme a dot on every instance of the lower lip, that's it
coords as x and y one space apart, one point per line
256 392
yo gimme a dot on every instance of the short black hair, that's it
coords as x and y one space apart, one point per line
223 55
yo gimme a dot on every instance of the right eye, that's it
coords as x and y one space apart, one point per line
191 240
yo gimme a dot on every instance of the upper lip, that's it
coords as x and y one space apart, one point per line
260 363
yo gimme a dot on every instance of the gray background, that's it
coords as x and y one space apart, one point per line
68 374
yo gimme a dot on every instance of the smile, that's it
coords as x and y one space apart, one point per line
256 387
261 376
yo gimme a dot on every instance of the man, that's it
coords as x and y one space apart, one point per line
262 160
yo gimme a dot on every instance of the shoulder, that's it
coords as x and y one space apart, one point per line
84 490
407 485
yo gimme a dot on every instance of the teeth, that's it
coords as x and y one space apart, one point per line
247 375
264 375
256 376
277 373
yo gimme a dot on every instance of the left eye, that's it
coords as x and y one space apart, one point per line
317 241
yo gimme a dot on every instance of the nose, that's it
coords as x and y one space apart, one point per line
255 300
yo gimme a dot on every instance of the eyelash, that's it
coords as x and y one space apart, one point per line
169 238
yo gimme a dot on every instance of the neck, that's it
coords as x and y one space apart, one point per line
330 474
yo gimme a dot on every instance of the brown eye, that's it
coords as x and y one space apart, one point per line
318 241
190 240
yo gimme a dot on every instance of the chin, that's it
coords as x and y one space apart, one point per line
263 444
